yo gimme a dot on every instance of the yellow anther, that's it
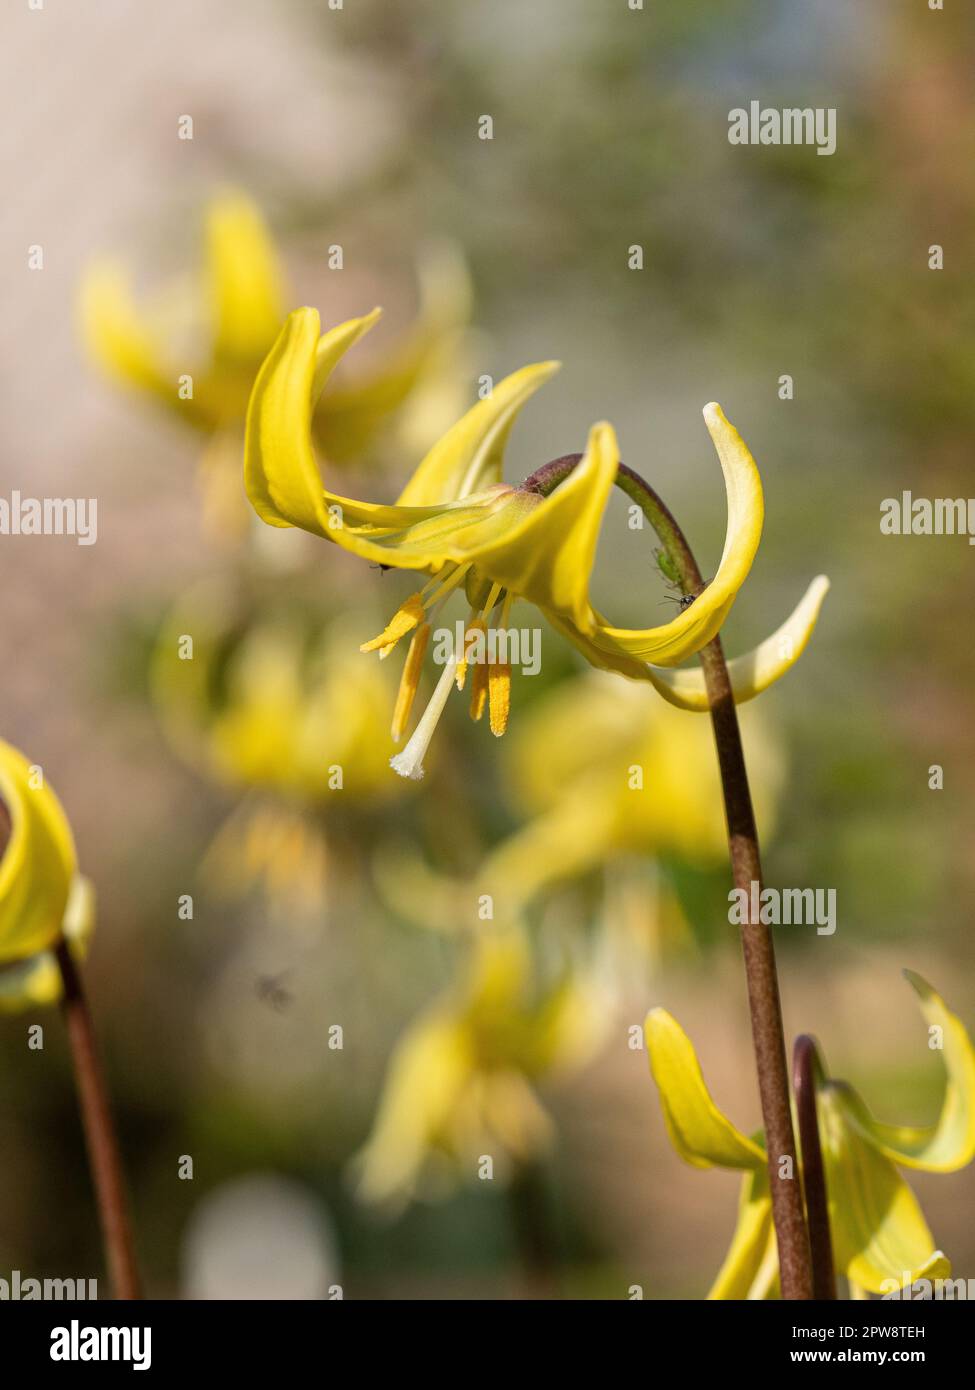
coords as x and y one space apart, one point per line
409 680
499 696
404 620
479 689
470 637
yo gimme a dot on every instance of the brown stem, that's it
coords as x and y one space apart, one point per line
768 1038
96 1118
805 1069
764 1004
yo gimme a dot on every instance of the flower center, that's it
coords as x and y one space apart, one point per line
490 678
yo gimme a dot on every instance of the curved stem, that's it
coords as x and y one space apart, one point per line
96 1118
805 1073
765 1006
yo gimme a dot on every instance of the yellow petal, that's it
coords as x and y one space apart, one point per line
469 458
547 556
429 1071
756 670
245 282
285 488
38 863
280 471
36 982
949 1143
879 1232
120 337
700 1133
748 1272
671 643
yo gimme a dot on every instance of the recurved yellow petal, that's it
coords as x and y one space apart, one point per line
38 863
547 556
949 1143
469 458
751 1264
431 1068
700 1133
244 279
280 470
756 670
36 983
879 1232
673 642
119 335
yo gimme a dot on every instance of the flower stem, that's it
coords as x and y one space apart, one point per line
764 1003
805 1072
96 1118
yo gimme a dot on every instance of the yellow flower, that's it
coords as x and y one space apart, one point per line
273 706
880 1238
642 782
215 328
271 701
459 523
196 343
461 1081
41 893
36 982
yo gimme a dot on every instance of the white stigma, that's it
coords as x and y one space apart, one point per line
409 763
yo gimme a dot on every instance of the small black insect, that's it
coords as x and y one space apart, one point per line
269 990
685 601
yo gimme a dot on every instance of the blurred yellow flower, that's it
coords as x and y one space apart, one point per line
271 699
880 1238
36 982
269 702
459 523
643 781
460 1084
41 893
196 343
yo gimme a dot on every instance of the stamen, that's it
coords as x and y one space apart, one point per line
409 763
499 680
448 584
410 613
499 696
479 625
404 620
479 689
410 680
469 637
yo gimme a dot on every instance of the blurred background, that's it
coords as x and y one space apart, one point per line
289 1036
